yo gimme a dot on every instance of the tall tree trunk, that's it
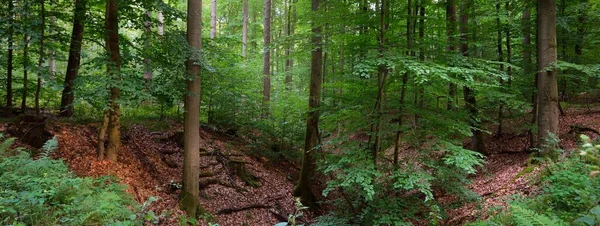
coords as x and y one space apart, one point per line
291 11
500 59
405 77
477 140
66 103
581 22
450 34
38 88
527 66
245 30
312 137
51 61
189 197
25 71
9 65
147 61
547 77
267 61
213 19
421 92
382 73
102 135
114 73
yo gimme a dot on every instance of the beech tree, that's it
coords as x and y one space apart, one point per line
189 196
267 60
547 76
66 103
114 73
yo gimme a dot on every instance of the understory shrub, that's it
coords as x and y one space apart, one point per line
569 194
42 191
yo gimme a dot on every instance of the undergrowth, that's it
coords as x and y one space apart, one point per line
42 191
569 194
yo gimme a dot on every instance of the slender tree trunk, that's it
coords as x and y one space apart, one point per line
102 135
213 19
382 73
161 23
114 72
527 66
38 88
450 34
9 67
25 71
267 61
500 59
312 137
51 61
189 197
547 76
289 31
581 23
245 30
421 92
66 103
477 140
147 61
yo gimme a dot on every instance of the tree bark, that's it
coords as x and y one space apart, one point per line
38 88
114 73
245 30
102 135
312 137
291 11
500 59
547 76
477 140
450 34
213 19
66 103
188 199
267 61
25 71
9 67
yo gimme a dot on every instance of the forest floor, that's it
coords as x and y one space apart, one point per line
151 159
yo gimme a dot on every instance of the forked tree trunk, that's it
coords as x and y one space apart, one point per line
189 196
547 76
114 73
312 138
477 140
66 103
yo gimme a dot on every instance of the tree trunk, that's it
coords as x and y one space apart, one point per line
450 34
245 30
289 32
38 88
51 61
25 71
114 73
312 137
147 61
9 65
102 135
382 73
213 19
66 103
527 65
161 23
267 61
500 59
188 199
477 140
547 77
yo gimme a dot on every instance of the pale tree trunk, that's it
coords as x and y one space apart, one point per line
477 140
66 103
9 65
312 138
213 19
450 35
147 60
189 196
245 30
25 71
114 73
51 61
38 88
102 135
161 23
267 61
547 76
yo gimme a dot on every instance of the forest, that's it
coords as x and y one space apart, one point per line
299 112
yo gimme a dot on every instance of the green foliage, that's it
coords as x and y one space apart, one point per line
44 192
569 194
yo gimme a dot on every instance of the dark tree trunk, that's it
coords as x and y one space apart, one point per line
66 103
25 71
477 140
9 65
312 137
38 88
450 34
267 61
114 73
500 59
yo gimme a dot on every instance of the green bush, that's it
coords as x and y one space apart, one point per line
43 192
569 194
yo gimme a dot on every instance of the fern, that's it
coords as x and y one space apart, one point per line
526 217
49 147
5 144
